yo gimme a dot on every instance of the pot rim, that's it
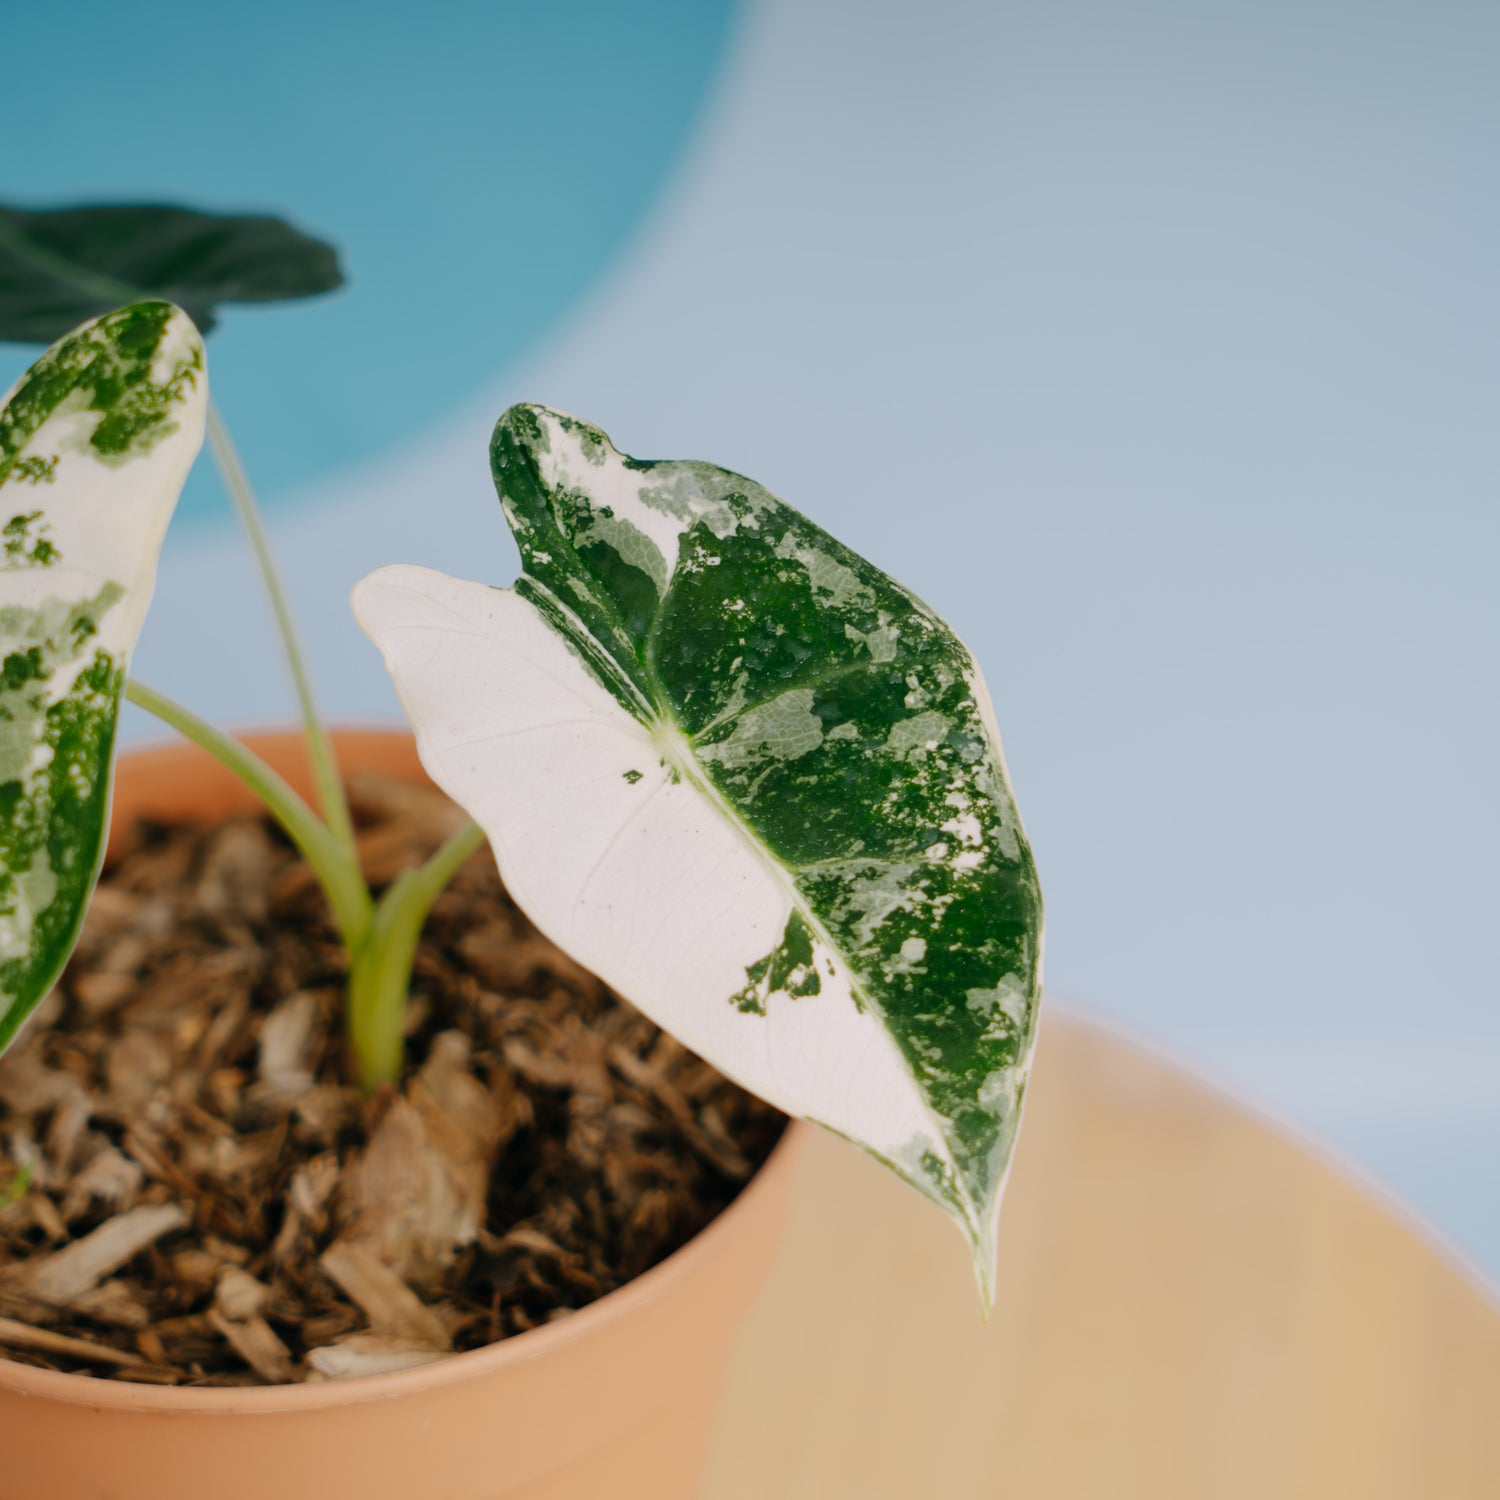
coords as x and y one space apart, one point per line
519 1349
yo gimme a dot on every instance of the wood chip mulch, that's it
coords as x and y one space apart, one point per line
193 1193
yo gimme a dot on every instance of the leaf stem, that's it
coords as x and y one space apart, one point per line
325 770
380 979
336 867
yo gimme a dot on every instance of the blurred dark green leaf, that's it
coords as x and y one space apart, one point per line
61 267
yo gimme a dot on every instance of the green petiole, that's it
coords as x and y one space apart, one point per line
380 937
335 864
381 974
319 747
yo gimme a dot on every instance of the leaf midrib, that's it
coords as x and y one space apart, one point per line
689 767
817 680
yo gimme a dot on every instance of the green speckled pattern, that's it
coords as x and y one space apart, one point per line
842 725
95 442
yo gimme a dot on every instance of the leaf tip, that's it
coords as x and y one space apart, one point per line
520 423
984 1253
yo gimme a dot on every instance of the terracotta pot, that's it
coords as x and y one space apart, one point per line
616 1400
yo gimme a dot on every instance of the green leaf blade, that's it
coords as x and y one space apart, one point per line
95 442
804 708
60 267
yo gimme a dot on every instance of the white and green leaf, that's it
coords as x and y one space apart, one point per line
751 782
95 442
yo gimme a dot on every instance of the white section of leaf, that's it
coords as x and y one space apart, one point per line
623 861
565 464
1009 835
833 582
35 888
923 731
785 728
881 642
106 520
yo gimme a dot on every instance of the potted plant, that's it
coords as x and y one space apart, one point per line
723 763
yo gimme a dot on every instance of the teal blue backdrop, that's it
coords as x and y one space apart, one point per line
478 163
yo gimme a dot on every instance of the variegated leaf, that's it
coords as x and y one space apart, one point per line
753 783
95 441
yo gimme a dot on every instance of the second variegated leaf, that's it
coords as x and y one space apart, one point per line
95 442
753 783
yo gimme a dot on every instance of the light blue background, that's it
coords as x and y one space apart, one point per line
1155 344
